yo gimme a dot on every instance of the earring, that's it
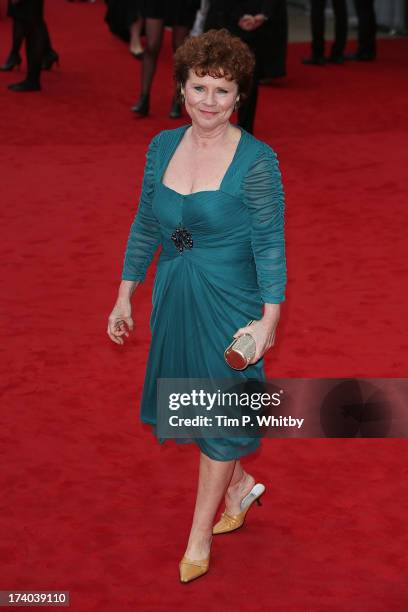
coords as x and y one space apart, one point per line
182 96
236 103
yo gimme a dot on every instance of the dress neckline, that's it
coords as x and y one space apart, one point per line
183 130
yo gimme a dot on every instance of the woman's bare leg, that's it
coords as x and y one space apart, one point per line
213 480
240 485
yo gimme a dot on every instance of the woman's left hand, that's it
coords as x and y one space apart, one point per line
262 331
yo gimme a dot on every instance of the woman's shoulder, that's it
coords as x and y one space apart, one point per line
258 162
259 148
168 136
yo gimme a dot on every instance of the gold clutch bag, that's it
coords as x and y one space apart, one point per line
239 353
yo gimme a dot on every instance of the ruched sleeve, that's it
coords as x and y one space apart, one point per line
144 235
264 197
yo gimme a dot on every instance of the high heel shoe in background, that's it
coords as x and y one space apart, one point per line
191 569
142 106
50 59
11 62
229 522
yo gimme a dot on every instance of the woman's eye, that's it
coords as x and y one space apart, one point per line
198 88
223 91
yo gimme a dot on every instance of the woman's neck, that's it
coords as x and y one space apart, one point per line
202 138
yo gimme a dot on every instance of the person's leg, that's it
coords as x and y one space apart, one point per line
179 35
35 37
50 55
154 35
14 57
341 28
135 46
367 28
18 37
317 20
247 108
240 485
36 40
213 480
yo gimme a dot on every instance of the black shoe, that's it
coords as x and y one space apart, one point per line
175 110
142 106
50 59
11 62
314 61
25 86
360 57
336 59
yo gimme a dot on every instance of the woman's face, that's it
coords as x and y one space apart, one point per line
209 101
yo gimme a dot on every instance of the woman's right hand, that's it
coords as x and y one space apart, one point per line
120 321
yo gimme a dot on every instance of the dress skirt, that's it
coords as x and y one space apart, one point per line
177 13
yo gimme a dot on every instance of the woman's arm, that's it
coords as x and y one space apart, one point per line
264 197
126 289
144 235
143 240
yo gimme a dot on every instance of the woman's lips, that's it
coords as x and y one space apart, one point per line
208 113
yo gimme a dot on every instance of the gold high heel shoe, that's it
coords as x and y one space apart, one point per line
229 522
191 569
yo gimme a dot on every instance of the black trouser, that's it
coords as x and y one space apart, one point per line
18 38
318 23
35 34
247 109
29 16
367 27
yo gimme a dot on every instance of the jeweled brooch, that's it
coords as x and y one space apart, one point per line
182 239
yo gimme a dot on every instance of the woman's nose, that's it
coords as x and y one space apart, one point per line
210 99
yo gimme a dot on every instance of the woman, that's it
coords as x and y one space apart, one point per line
180 15
222 188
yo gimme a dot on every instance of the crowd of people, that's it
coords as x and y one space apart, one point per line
261 24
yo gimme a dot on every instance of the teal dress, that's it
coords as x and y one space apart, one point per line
222 257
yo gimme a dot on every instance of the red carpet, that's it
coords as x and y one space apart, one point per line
91 503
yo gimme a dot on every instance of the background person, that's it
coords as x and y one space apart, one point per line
247 20
124 20
367 31
180 15
14 58
29 15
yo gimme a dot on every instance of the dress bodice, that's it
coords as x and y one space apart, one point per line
239 224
